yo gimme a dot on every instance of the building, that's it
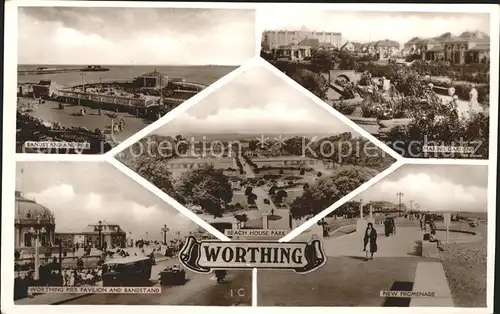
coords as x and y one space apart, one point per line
285 161
351 46
151 80
34 223
467 48
296 51
277 38
70 239
180 165
111 236
43 89
412 46
383 49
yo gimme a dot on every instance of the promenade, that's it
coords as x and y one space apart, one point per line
348 280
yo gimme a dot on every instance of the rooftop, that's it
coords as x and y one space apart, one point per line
29 210
154 73
480 47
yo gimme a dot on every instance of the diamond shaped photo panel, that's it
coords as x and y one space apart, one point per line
257 155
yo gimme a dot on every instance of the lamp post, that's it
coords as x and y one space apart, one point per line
59 243
165 230
400 196
98 229
83 87
36 232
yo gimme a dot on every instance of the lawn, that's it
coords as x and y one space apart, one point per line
286 172
466 269
342 281
292 195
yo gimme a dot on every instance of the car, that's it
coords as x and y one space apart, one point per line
172 276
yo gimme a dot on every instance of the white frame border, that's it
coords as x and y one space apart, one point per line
9 163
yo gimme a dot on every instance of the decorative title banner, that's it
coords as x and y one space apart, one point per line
205 256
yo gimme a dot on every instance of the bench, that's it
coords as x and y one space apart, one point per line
430 277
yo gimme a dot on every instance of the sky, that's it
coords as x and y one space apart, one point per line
135 36
80 194
372 26
435 187
257 102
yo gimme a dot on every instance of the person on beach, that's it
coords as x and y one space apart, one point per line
370 241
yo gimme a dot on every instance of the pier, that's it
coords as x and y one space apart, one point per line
48 71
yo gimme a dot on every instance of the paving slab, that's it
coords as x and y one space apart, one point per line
430 277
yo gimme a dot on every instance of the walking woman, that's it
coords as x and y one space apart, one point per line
370 241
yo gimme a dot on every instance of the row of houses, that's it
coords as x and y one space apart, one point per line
467 48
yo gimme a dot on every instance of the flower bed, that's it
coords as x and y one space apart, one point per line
476 73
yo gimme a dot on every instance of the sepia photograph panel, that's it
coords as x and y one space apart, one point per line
418 81
417 238
256 154
90 77
96 237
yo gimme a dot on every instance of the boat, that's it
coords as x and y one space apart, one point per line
94 68
46 69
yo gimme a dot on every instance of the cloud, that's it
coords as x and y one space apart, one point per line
73 212
372 26
74 38
256 101
268 118
432 191
141 36
83 193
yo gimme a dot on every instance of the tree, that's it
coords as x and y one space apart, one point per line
155 170
251 198
252 145
322 60
305 186
329 189
313 82
319 174
241 218
266 201
181 145
345 60
248 190
272 190
302 171
280 195
206 187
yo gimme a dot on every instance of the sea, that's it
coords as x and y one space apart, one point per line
206 74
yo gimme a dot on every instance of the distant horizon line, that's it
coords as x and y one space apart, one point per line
102 64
